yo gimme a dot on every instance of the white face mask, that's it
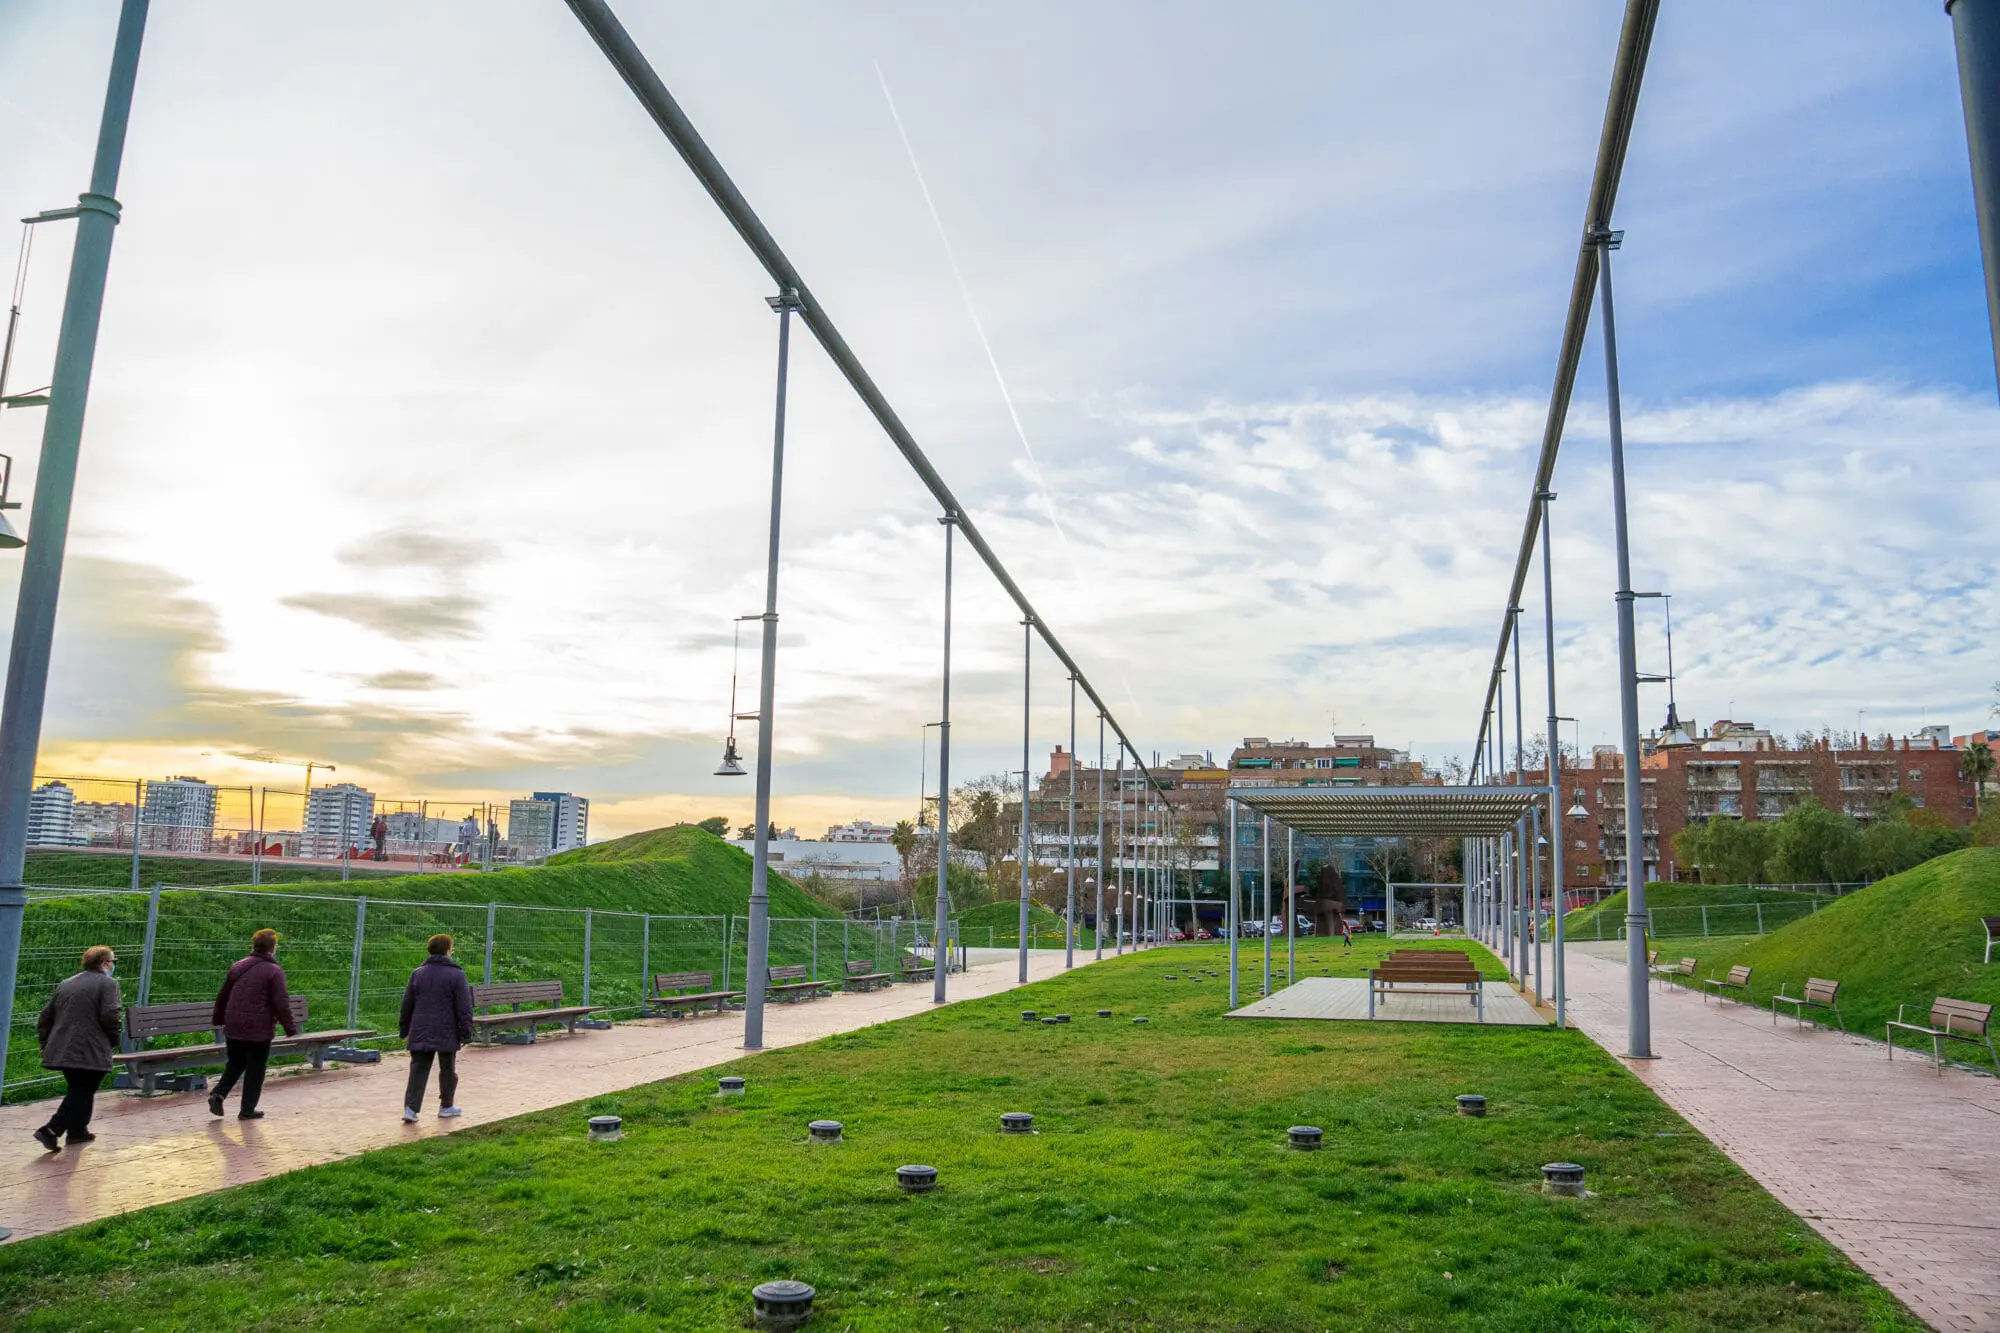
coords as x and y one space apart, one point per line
111 969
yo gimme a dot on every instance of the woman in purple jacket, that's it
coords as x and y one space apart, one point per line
437 1020
250 1007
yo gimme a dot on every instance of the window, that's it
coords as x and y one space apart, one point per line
1916 775
1328 763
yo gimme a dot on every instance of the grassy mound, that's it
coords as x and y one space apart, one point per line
1157 1193
668 912
1680 910
998 925
1904 940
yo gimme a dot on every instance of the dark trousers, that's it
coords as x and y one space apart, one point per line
420 1077
79 1099
246 1061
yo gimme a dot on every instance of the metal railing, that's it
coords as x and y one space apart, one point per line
1709 919
350 956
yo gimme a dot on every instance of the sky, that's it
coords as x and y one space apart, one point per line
431 426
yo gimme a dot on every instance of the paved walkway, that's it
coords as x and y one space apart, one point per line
1897 1166
157 1150
1346 999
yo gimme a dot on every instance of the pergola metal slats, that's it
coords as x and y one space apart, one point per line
1393 812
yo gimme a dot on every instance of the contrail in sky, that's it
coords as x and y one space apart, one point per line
978 326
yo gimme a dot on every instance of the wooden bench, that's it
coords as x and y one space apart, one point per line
1667 972
677 992
1737 980
1820 994
860 977
146 1021
494 995
1992 924
914 968
1955 1020
1406 975
792 983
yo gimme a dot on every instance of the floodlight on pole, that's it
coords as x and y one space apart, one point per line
732 762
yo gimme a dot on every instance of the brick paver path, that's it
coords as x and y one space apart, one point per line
156 1150
1898 1167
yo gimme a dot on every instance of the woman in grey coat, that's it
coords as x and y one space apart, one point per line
437 1020
77 1030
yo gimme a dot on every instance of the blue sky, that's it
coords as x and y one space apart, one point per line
430 431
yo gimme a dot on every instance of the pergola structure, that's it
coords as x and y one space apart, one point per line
1493 820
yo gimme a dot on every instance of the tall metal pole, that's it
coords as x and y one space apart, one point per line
1975 29
1266 923
1555 761
758 946
1528 851
1069 923
1103 864
1232 923
1291 916
1027 660
1535 899
55 487
941 962
1640 1037
1118 864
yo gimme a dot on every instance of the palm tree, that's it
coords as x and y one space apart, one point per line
904 839
1976 764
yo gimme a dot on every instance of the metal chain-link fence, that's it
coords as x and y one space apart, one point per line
350 957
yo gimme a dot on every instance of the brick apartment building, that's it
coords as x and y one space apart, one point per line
1739 771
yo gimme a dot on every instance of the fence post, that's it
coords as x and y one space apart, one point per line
815 948
586 955
645 958
728 946
138 813
152 937
1704 923
844 923
354 969
1760 918
492 915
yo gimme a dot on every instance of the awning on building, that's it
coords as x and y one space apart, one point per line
1393 812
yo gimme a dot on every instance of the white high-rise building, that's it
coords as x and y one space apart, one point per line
338 817
178 815
52 816
571 826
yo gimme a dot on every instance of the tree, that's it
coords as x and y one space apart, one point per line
749 832
1727 851
716 824
977 825
904 839
1814 845
1976 764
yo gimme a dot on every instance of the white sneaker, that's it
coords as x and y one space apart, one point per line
409 1116
447 1112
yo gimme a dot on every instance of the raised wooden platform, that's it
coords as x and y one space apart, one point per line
1340 998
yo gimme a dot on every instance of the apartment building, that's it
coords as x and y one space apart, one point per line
338 817
52 816
177 814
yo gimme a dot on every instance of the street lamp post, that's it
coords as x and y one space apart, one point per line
1230 919
1069 923
757 949
1975 27
1640 1034
940 961
1102 865
26 691
1027 660
1555 762
1265 880
1118 863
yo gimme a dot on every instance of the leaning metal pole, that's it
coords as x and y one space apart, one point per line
1975 29
1555 763
1636 919
1027 660
757 949
940 960
55 487
1069 925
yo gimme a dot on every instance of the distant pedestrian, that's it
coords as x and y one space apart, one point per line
1346 933
437 1020
77 1028
250 1007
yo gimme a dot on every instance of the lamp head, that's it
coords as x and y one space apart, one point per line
731 766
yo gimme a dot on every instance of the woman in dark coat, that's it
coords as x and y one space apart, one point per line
77 1030
249 1008
437 1020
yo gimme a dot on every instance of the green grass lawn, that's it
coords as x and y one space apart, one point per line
998 925
1157 1193
1689 910
1904 940
113 870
